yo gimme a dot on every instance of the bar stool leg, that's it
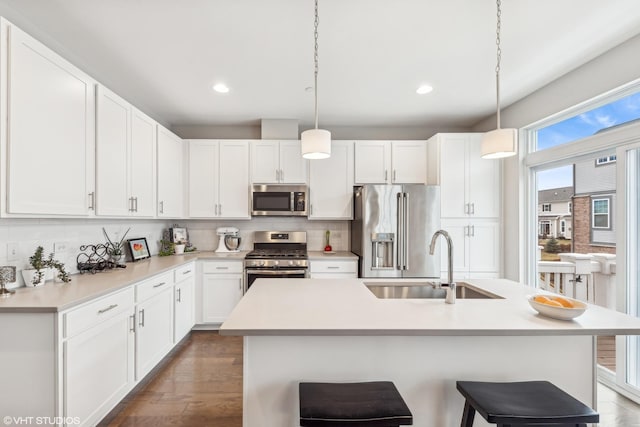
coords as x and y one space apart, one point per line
468 415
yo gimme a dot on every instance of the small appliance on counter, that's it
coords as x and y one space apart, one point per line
228 239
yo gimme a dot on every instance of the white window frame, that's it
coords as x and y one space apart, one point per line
545 206
563 226
593 213
605 160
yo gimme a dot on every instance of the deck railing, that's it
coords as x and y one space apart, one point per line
587 277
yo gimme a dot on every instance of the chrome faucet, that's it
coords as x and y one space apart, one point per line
451 286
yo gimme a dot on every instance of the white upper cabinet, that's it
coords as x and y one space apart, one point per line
169 171
277 162
48 107
331 183
390 162
470 184
125 158
218 179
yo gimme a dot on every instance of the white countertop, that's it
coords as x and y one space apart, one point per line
346 307
53 297
338 255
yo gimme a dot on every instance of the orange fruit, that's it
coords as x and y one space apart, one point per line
565 302
541 299
553 303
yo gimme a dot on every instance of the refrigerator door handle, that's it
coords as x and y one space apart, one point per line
400 232
405 224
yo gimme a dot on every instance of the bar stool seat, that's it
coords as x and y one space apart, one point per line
365 404
523 403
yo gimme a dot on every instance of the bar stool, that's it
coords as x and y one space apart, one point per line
531 403
365 404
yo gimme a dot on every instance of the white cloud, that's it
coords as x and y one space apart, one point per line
600 120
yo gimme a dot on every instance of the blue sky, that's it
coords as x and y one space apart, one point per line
581 126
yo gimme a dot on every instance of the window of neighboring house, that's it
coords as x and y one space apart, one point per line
570 207
589 122
545 228
546 207
605 160
562 227
600 213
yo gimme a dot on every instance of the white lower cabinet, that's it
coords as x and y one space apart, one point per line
154 317
221 289
183 300
339 269
98 362
476 248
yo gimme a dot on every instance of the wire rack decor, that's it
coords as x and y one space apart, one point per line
95 258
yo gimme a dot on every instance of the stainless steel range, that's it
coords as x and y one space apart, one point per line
280 254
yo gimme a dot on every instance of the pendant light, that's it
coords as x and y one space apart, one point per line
499 143
316 143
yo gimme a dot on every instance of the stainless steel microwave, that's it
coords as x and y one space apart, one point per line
279 200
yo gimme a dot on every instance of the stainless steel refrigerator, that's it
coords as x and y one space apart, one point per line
392 228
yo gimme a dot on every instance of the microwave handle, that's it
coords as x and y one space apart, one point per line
292 201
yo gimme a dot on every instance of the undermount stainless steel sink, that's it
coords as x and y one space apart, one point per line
420 290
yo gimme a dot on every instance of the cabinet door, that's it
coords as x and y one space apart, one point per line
112 144
220 294
234 180
98 369
484 182
203 179
50 132
142 170
458 230
372 162
265 162
184 308
453 172
331 183
409 162
154 332
293 167
170 157
484 247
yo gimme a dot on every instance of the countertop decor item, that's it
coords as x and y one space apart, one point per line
499 143
7 275
35 276
139 249
115 248
327 242
569 311
316 143
95 258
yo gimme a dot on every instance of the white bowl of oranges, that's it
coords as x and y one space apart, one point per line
557 306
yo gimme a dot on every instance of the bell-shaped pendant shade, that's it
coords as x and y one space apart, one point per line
499 143
316 144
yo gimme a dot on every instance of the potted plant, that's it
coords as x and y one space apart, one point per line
36 275
115 249
179 247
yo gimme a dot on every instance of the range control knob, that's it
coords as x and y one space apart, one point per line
276 262
290 262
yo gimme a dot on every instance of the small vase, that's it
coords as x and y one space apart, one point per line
179 249
116 258
29 274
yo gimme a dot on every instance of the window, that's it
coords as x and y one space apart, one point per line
605 160
570 207
562 226
545 228
546 207
600 217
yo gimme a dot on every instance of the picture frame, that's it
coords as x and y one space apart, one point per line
138 249
179 235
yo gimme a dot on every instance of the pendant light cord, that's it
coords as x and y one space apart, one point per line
315 59
498 58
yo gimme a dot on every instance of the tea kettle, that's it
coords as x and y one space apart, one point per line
228 239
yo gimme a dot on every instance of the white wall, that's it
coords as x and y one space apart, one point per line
28 234
613 69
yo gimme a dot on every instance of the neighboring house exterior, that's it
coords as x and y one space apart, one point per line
593 205
554 212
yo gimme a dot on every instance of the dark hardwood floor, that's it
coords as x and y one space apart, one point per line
200 384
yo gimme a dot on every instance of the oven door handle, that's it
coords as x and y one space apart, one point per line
277 272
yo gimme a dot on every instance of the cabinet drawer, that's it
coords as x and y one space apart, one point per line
184 272
222 267
334 267
97 311
153 286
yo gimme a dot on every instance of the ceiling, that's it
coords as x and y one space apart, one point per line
164 55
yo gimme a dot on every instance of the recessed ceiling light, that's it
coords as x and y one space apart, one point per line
424 89
221 88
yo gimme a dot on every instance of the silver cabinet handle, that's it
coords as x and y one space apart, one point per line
92 200
310 209
473 231
179 295
162 207
141 318
186 272
133 323
473 208
215 210
220 210
130 204
277 175
160 284
222 268
395 175
385 175
104 310
466 230
281 175
332 267
136 204
466 208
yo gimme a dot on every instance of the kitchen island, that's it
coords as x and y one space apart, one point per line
338 330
